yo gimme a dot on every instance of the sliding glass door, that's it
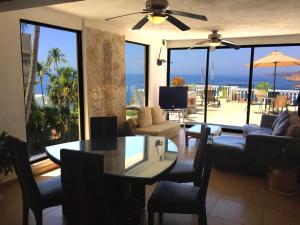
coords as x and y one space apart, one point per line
264 98
231 77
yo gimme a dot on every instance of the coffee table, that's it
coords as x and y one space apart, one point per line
195 132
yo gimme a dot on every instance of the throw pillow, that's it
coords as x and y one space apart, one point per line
132 122
157 115
281 127
280 118
144 117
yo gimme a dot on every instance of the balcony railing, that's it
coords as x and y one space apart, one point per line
235 93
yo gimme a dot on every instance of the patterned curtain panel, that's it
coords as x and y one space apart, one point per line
105 71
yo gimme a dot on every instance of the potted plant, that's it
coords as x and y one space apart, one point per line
178 81
5 158
283 164
261 89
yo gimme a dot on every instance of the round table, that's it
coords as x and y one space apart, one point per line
142 158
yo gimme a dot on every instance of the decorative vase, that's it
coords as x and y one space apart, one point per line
283 181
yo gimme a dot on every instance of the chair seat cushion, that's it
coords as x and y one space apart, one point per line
51 191
175 198
182 172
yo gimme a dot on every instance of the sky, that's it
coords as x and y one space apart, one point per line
226 61
135 58
55 38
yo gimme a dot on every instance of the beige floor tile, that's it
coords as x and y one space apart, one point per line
282 210
238 212
216 221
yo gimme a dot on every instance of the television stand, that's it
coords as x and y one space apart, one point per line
180 113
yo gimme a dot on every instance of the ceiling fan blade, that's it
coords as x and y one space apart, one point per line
197 44
180 25
128 14
186 14
230 44
141 23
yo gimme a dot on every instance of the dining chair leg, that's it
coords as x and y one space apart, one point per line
150 218
25 215
38 217
160 217
202 220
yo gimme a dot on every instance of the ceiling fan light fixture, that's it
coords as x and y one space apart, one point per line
156 19
214 43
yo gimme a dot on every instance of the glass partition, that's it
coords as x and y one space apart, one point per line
188 68
227 92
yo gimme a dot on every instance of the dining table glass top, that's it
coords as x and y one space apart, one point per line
141 157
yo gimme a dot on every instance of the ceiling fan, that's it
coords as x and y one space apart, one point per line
157 12
214 39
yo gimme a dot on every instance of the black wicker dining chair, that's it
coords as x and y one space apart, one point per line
84 198
186 171
35 195
173 197
103 127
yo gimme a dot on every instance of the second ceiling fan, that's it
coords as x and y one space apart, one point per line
214 39
157 12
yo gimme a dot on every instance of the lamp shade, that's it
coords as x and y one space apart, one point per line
156 19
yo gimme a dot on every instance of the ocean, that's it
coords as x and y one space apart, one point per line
136 81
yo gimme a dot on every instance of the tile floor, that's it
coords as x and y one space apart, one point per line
232 200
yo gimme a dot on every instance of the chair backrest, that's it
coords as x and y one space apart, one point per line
202 162
281 101
272 94
102 127
211 95
82 176
20 158
201 152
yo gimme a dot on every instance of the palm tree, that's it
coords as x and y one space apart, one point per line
56 56
33 66
42 69
63 92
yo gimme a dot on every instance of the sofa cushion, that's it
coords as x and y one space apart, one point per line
144 117
255 129
294 118
281 126
157 115
157 130
293 131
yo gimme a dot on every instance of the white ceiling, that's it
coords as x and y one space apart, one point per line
233 18
8 5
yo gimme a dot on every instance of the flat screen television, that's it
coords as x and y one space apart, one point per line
173 97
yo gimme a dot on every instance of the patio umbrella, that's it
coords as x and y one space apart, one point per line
275 59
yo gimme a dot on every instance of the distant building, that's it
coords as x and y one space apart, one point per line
26 56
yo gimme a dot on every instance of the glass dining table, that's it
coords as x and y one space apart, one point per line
138 160
132 157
